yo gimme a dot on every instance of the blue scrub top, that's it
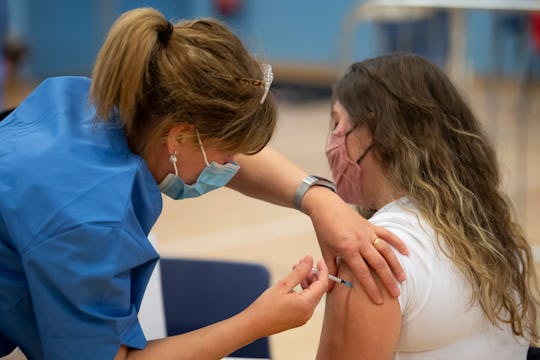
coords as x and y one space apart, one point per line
76 206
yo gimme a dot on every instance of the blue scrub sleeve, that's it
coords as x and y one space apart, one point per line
86 286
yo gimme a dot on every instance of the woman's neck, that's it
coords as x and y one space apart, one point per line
156 157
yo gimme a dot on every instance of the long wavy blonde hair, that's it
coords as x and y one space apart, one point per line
432 148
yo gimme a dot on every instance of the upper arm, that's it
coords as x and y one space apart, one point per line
356 328
255 170
122 353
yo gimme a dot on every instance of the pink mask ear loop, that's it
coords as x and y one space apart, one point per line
173 159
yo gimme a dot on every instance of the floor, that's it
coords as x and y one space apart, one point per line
226 225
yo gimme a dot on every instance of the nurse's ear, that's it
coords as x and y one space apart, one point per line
179 135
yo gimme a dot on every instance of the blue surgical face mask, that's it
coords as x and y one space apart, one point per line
212 177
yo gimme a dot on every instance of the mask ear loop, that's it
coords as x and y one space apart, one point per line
173 159
364 154
202 147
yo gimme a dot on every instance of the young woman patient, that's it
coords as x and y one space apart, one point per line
405 147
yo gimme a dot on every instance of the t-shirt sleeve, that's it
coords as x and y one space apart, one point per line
417 265
86 291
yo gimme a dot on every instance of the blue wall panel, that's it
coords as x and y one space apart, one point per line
64 36
300 31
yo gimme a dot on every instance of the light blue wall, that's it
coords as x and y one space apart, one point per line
299 31
65 35
492 48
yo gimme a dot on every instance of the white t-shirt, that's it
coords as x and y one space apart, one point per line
438 320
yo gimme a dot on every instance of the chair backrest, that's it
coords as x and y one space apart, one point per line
197 293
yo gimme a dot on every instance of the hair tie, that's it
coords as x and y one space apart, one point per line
165 35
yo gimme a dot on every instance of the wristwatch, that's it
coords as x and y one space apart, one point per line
307 182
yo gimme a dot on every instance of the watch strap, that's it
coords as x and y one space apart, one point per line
307 182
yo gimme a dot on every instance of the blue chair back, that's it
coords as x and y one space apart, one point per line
197 293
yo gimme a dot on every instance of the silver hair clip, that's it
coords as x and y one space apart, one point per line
268 77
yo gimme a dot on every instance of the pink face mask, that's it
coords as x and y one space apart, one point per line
345 171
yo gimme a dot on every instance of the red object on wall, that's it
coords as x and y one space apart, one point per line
535 28
228 7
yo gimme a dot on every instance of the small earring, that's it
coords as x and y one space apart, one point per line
173 158
173 161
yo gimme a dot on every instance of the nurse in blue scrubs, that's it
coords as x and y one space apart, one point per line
174 109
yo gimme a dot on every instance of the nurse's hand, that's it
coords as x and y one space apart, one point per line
342 232
280 307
